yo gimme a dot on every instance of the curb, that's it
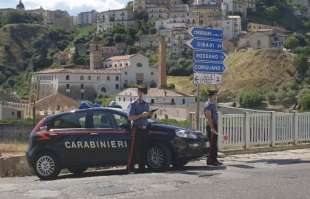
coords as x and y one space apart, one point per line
265 150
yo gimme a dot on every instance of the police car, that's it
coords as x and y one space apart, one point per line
96 137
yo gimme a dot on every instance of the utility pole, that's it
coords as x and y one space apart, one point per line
34 91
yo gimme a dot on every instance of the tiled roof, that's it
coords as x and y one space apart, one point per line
80 71
152 92
57 98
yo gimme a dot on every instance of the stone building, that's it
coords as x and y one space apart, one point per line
86 84
87 18
79 84
267 38
108 19
155 96
53 104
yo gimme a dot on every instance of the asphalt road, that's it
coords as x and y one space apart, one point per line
283 175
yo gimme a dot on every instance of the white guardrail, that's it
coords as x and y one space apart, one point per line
258 129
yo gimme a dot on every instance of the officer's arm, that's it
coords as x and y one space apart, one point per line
137 117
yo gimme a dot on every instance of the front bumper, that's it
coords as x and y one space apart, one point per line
190 148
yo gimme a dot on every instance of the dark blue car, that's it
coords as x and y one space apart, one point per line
96 137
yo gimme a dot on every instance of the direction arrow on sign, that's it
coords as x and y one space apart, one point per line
203 78
208 56
207 33
203 44
209 68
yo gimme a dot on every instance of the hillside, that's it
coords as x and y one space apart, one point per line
265 70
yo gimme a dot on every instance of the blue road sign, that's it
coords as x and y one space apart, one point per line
208 56
209 68
203 44
207 33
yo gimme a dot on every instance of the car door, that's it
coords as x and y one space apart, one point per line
113 139
69 132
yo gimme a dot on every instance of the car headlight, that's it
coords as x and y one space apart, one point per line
185 134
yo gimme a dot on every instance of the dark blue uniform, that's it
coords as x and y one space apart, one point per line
139 134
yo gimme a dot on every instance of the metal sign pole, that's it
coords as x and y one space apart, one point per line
198 106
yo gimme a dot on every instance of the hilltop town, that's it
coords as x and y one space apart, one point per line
51 61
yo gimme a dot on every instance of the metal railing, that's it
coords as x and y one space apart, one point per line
259 129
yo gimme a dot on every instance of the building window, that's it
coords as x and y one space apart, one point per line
116 86
82 77
89 77
183 101
119 99
139 65
126 73
58 108
98 77
152 101
68 86
172 101
124 99
116 78
82 86
67 77
103 90
152 73
108 78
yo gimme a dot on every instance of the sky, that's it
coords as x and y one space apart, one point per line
72 6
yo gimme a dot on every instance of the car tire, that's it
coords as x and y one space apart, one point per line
46 166
158 157
77 171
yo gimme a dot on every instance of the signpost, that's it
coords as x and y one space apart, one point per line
209 68
212 79
208 58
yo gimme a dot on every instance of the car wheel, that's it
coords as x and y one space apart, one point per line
158 157
77 171
46 166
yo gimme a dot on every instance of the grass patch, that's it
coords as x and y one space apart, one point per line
182 84
13 147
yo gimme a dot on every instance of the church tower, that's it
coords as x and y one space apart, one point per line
95 53
20 5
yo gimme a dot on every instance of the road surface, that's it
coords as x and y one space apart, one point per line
283 175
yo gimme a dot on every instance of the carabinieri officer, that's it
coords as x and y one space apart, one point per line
138 113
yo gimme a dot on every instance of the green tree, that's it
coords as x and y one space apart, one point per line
291 42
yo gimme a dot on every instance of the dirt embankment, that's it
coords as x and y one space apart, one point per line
264 69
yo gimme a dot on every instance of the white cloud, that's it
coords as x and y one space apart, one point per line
74 6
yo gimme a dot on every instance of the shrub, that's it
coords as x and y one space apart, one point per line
304 101
271 97
250 99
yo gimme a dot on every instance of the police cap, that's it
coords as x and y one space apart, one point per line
142 88
212 93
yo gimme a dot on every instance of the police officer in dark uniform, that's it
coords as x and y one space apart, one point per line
138 113
210 110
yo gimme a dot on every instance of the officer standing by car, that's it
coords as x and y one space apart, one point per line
138 113
210 111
